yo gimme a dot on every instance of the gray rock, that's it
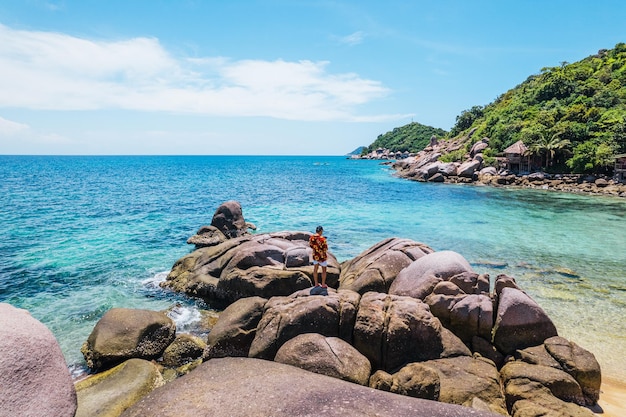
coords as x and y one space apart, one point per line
124 333
109 393
235 329
392 331
262 265
329 356
377 267
437 177
520 322
420 277
472 316
467 169
284 318
229 220
34 379
248 387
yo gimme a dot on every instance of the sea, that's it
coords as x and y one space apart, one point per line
80 235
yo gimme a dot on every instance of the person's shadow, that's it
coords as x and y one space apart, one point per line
319 291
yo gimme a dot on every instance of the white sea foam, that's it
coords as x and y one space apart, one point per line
154 281
185 317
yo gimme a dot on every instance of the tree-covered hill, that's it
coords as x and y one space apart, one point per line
412 138
573 115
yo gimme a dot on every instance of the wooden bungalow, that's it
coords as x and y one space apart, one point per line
516 159
620 168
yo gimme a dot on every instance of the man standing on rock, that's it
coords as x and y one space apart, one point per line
317 242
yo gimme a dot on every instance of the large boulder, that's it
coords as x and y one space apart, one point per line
420 278
527 398
248 387
284 318
392 331
235 329
520 322
227 223
124 333
377 267
467 169
109 393
262 265
560 383
329 356
463 380
560 353
34 379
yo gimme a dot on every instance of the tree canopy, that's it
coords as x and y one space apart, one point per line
573 115
411 138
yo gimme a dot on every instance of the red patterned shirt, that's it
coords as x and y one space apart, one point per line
319 246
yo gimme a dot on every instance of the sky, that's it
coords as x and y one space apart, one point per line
273 77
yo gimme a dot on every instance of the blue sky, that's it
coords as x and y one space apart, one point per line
272 77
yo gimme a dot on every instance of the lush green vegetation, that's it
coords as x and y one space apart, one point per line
412 138
572 115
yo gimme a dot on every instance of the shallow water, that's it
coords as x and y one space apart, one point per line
80 235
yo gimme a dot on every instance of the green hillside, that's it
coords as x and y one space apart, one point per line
572 115
412 138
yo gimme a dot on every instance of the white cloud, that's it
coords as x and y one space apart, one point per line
353 39
53 71
10 128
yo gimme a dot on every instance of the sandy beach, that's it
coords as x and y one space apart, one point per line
612 399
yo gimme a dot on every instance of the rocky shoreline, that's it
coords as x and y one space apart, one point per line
426 166
401 330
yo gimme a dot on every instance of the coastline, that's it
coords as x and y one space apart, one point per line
570 183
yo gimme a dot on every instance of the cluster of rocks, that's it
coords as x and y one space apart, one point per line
425 166
400 318
383 154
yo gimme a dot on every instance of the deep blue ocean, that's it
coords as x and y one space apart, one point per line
81 235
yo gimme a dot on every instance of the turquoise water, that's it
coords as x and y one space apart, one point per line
80 235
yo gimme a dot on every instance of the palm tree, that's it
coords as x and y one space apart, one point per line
548 148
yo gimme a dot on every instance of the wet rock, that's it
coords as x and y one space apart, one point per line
184 349
109 393
124 333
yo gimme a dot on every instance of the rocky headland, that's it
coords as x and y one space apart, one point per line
401 330
426 166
